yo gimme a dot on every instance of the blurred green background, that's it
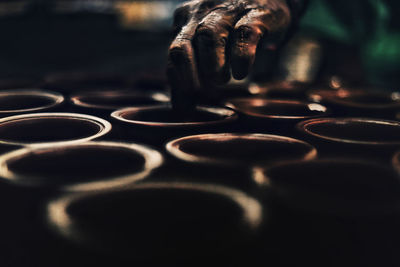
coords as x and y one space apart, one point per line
359 39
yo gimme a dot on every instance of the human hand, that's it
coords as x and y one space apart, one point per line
215 37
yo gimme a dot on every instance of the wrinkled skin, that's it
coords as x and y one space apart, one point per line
215 37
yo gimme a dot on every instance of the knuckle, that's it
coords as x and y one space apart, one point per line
247 32
205 31
177 48
209 35
177 56
206 34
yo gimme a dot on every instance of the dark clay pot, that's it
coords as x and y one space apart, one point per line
40 129
178 222
353 137
155 125
32 176
103 103
337 187
275 116
77 167
358 102
231 159
20 101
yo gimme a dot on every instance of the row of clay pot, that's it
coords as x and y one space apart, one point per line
156 124
255 114
159 122
210 199
196 209
219 152
347 101
340 101
340 138
118 208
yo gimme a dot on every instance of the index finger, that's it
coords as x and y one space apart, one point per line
181 68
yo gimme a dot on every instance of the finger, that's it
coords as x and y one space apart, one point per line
210 43
181 69
180 18
247 33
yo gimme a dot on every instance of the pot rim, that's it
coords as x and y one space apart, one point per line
56 98
330 95
247 102
303 127
152 160
61 222
313 199
230 115
104 127
173 146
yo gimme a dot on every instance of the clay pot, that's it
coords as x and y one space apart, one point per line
19 101
77 167
32 176
242 149
276 116
104 102
41 129
232 158
178 222
336 186
358 102
353 137
157 124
